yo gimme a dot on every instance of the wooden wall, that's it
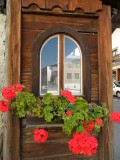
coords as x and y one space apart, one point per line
37 16
32 26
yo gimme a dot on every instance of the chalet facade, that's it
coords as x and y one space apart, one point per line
33 24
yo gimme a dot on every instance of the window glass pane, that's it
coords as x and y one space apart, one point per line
72 66
49 67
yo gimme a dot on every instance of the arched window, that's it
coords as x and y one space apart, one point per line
61 60
60 65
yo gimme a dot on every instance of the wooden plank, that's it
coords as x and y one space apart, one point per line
12 131
36 22
105 77
55 148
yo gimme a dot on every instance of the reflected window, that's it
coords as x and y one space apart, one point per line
69 75
60 66
76 75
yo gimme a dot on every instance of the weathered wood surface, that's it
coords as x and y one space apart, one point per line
100 80
105 76
66 5
81 24
55 148
11 147
32 27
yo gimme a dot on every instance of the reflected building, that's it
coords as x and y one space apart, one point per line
72 74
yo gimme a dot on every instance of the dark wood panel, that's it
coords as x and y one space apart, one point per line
29 36
27 45
55 148
26 80
36 22
26 64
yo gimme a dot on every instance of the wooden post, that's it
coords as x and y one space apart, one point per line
11 146
105 77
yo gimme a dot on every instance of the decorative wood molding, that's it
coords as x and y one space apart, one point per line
66 5
39 3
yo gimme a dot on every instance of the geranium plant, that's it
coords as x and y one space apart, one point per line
79 117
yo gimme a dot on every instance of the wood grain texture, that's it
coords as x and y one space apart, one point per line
29 34
27 3
105 77
55 148
36 22
66 5
12 150
32 27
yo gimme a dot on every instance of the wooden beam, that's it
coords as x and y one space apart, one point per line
11 146
105 79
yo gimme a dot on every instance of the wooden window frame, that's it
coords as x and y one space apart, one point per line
85 57
61 62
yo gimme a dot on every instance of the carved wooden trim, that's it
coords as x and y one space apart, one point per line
39 3
66 5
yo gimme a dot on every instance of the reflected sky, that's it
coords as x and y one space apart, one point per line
49 52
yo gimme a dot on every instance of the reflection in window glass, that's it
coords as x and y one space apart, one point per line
49 67
72 55
76 75
69 75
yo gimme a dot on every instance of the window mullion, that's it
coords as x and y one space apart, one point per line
61 61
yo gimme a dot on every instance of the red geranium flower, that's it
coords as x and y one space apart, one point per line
4 106
40 135
17 87
99 121
8 93
83 143
88 127
115 116
69 113
68 95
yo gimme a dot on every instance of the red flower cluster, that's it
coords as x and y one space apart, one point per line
17 87
40 135
10 92
88 127
68 95
99 121
83 143
4 106
115 116
69 113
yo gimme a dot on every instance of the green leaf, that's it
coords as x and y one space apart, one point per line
80 129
